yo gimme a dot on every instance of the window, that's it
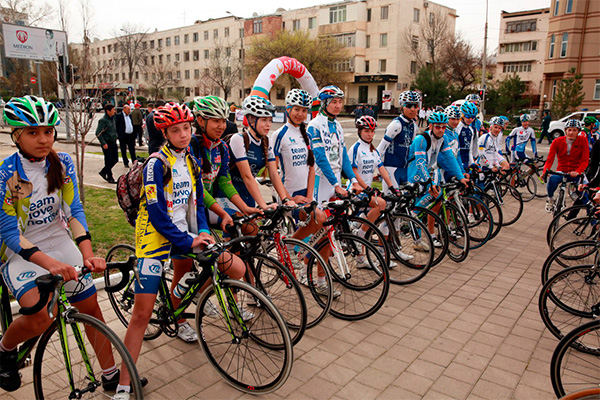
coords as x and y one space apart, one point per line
296 25
415 42
228 51
103 50
517 67
344 65
186 56
176 40
159 44
160 58
196 55
280 93
337 14
152 44
152 58
195 36
556 5
257 26
98 51
368 41
215 33
383 40
205 35
569 7
367 66
597 90
146 76
196 74
217 53
241 32
521 26
312 22
178 75
187 91
431 18
563 45
144 45
226 32
206 54
413 67
145 60
382 65
177 57
534 45
554 85
385 11
116 62
346 40
186 39
168 41
551 53
227 71
123 75
368 15
109 48
186 74
168 58
416 15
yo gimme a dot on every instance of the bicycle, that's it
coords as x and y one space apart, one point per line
252 352
507 196
582 228
582 252
522 180
66 364
567 214
560 202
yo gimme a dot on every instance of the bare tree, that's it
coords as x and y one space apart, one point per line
160 77
130 46
224 68
426 43
460 63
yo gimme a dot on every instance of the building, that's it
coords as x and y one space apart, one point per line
572 42
521 47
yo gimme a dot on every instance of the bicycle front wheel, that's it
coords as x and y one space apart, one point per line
91 346
479 220
458 232
570 255
254 356
510 200
566 215
525 185
583 228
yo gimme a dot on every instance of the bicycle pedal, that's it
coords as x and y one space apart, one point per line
27 361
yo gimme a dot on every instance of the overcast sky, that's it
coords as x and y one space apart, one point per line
110 15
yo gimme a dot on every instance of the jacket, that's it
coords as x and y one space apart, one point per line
136 117
120 124
155 136
577 160
106 130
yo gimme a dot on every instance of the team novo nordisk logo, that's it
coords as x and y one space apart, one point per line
22 36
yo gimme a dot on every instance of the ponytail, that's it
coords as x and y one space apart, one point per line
55 175
310 160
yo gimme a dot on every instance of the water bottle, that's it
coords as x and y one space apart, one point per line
182 286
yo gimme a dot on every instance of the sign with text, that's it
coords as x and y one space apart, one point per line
386 100
375 78
33 43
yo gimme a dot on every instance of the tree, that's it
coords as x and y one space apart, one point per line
130 48
510 95
320 56
160 76
569 94
459 62
427 43
224 69
433 85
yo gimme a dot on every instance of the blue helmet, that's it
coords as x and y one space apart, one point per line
497 121
469 110
504 119
329 92
573 123
524 117
438 118
452 112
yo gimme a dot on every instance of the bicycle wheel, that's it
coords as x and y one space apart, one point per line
256 357
583 394
559 202
122 301
572 370
566 215
306 258
573 254
284 291
426 216
458 233
479 220
569 299
373 235
495 209
583 228
510 201
100 348
364 288
542 190
525 185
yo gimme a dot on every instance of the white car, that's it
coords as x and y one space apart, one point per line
557 128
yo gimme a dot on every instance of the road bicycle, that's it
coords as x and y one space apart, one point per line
579 209
522 179
581 228
566 188
581 252
505 195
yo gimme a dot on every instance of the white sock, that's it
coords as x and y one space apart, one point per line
123 388
361 233
110 372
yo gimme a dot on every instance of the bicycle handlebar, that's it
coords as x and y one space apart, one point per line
124 267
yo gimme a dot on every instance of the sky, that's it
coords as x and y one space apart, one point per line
110 15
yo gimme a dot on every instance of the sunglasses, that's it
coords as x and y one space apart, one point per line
411 105
439 126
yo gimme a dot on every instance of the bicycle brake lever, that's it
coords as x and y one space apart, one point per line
52 302
136 273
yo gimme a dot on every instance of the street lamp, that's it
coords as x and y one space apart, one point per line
241 49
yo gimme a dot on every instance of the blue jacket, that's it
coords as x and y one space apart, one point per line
421 159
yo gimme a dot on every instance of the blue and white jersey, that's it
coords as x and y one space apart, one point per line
290 149
365 160
254 156
430 163
520 136
394 146
182 189
489 154
476 125
467 144
451 138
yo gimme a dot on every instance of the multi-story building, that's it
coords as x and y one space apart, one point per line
572 43
521 47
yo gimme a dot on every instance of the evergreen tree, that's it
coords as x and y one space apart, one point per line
569 95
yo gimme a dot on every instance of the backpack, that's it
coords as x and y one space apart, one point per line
129 186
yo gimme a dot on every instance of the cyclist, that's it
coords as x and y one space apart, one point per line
467 137
520 136
573 156
451 137
398 136
329 147
39 193
171 219
476 124
489 150
589 124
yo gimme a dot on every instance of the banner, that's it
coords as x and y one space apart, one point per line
33 43
386 100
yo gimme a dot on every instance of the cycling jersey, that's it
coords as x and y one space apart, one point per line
489 154
364 159
425 164
476 125
467 144
289 147
451 137
520 136
394 147
155 231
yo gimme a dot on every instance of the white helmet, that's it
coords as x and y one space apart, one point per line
257 106
409 96
298 97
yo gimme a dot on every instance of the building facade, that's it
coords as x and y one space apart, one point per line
572 42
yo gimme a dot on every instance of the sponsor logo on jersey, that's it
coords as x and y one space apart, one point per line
155 268
151 194
67 180
23 276
8 201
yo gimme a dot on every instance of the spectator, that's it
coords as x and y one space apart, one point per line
136 119
358 112
232 109
126 134
230 128
545 125
422 117
107 136
369 111
428 113
155 136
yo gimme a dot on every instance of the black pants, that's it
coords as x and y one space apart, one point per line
139 133
127 141
546 134
111 156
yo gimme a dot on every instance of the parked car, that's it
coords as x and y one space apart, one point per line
79 102
557 128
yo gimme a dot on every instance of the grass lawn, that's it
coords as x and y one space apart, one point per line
106 220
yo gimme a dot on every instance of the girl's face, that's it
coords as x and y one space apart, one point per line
572 132
214 128
263 125
335 106
367 135
525 124
495 129
37 141
179 135
297 114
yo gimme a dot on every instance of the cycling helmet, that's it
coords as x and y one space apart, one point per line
298 97
409 96
497 121
452 112
172 114
366 122
524 117
211 107
329 92
504 119
438 118
589 121
258 107
573 123
473 98
25 111
469 110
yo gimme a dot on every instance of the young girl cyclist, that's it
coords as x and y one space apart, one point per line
171 220
40 197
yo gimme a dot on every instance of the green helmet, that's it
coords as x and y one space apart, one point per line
211 107
30 111
589 120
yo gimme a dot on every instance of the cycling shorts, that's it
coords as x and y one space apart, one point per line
150 271
323 189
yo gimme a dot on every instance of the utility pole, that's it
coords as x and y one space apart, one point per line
484 60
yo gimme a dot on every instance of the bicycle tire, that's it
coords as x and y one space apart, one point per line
495 209
317 305
50 376
482 225
374 236
582 252
542 189
559 203
525 185
568 363
567 214
364 293
584 394
510 200
458 233
582 228
569 299
284 291
228 356
123 300
441 232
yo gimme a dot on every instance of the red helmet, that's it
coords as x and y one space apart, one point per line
171 114
366 122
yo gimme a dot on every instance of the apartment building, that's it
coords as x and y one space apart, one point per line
572 42
521 47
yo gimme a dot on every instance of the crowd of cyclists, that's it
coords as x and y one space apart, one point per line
201 180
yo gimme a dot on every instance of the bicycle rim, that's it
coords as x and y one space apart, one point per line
495 210
510 201
570 255
481 223
584 228
458 233
565 215
440 229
